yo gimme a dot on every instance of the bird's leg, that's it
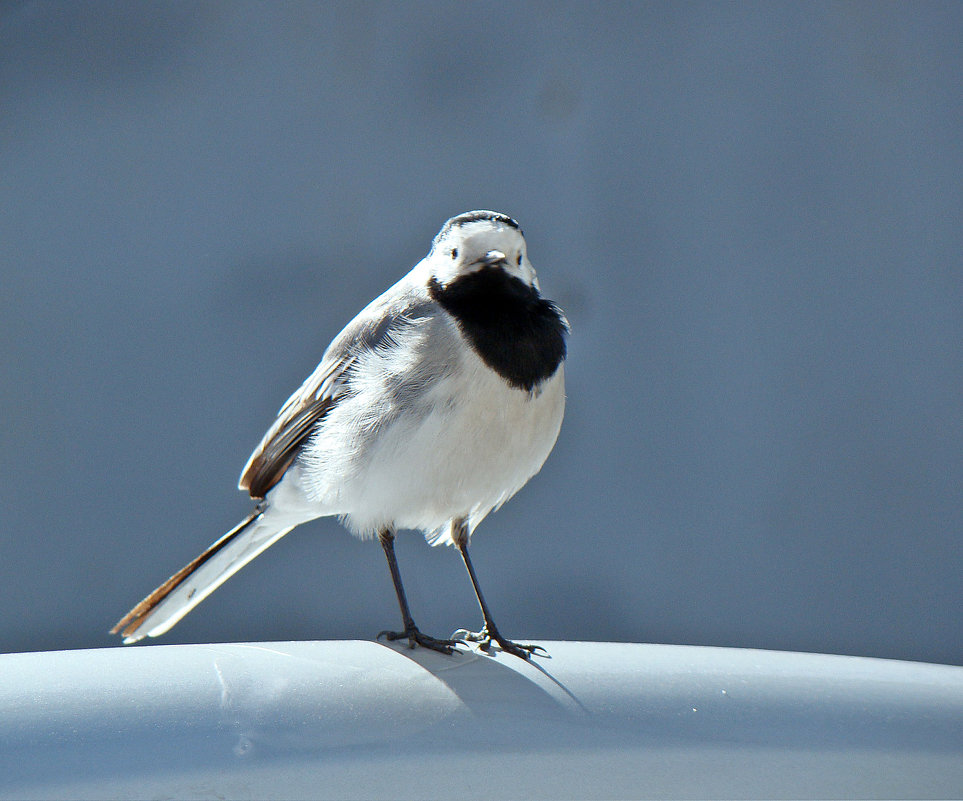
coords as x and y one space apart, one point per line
411 632
490 632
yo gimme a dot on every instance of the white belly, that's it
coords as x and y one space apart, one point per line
465 446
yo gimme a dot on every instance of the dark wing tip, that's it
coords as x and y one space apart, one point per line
263 473
281 447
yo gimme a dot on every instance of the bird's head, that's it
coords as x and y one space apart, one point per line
480 240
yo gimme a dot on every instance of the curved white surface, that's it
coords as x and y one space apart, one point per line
366 720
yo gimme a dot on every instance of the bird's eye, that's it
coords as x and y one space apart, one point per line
454 253
518 261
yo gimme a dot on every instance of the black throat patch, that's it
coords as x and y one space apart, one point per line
515 331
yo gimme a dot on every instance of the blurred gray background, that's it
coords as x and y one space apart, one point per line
750 212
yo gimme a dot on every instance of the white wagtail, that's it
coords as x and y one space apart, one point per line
433 407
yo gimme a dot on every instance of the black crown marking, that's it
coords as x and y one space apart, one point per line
478 216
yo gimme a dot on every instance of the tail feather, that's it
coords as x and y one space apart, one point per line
190 585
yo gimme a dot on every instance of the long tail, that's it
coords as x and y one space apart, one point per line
190 585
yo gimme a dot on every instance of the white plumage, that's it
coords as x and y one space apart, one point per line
434 406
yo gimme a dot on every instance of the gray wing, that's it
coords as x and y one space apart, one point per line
307 407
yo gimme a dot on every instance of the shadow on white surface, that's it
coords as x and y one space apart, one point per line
366 720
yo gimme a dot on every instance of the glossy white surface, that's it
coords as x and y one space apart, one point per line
364 720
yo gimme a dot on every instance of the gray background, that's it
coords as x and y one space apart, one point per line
750 212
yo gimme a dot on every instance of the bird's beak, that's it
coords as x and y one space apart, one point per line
493 257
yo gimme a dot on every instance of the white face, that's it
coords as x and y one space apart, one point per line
467 248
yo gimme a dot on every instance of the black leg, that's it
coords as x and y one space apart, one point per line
411 632
490 632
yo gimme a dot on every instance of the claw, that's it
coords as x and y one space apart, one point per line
485 638
415 637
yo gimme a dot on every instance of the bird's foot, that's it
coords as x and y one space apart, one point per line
415 637
487 636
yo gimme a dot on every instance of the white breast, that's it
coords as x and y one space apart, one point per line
426 449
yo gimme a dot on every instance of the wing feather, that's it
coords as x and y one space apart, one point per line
305 409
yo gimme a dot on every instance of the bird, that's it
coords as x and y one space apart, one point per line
432 407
